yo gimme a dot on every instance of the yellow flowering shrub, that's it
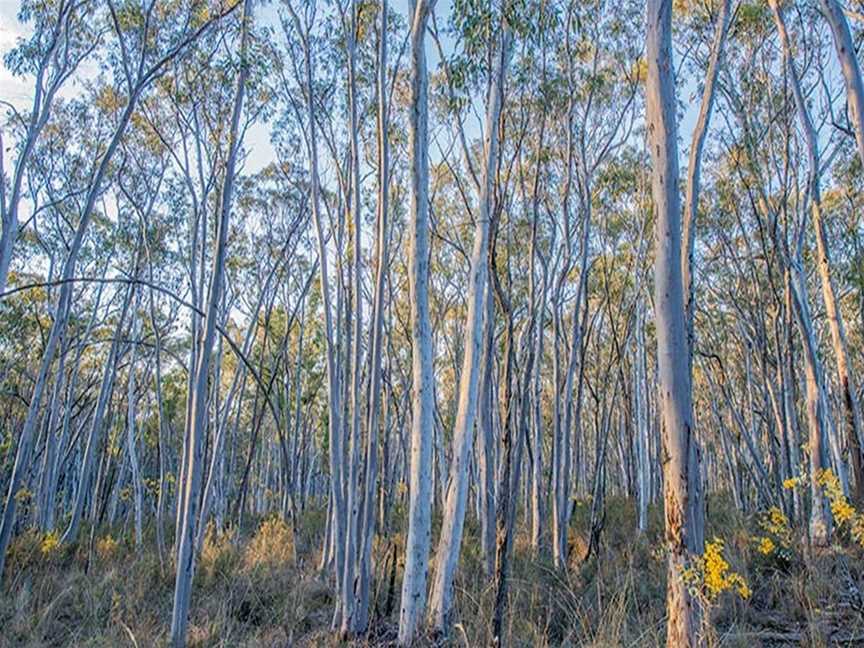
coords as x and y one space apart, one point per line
792 482
50 543
22 496
778 534
844 513
766 546
710 574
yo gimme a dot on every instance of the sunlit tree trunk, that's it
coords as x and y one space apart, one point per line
190 489
823 265
680 470
419 509
849 66
450 540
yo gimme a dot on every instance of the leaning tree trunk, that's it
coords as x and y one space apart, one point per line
849 66
823 265
190 488
450 539
55 67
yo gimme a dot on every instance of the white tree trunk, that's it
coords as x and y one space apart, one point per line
189 488
450 539
420 503
680 469
640 408
370 481
834 316
131 444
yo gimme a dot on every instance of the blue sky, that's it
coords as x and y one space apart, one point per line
19 92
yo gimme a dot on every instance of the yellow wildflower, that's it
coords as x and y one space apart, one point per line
710 575
766 546
844 513
50 542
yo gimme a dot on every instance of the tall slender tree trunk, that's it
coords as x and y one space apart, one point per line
93 440
131 443
849 66
823 266
820 521
355 494
450 539
190 488
486 439
680 468
640 407
370 481
47 482
420 502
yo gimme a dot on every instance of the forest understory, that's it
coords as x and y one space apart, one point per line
262 588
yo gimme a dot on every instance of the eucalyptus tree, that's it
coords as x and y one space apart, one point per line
366 531
140 57
820 521
63 36
850 67
855 95
306 115
190 485
680 470
691 208
419 537
450 539
599 70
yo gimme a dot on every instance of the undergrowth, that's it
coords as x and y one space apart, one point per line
260 586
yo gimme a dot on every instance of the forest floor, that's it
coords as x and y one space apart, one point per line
263 589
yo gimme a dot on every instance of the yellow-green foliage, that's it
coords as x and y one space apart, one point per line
34 548
218 553
845 515
106 547
272 545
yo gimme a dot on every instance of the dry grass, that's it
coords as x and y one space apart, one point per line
260 588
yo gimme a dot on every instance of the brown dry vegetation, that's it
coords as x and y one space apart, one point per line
263 589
